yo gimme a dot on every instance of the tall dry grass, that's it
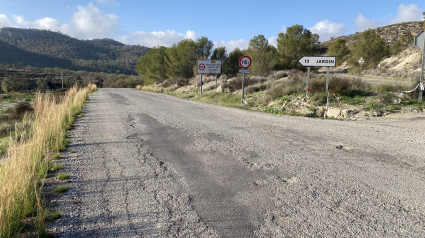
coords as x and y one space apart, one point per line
30 151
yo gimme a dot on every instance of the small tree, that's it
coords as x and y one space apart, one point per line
294 44
152 66
219 54
181 59
203 48
231 65
340 50
402 43
262 54
370 47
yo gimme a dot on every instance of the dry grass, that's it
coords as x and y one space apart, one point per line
151 88
29 154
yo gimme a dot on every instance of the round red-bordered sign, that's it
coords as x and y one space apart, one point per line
201 66
245 62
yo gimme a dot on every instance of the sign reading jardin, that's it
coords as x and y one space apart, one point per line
319 61
209 66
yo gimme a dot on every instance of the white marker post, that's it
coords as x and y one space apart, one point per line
317 61
361 62
209 67
420 43
244 62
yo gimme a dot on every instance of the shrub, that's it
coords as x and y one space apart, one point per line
235 84
256 88
22 108
389 88
287 87
348 87
278 75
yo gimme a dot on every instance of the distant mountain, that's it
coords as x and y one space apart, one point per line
43 48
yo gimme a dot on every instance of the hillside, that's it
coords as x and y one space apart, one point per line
390 34
405 64
43 48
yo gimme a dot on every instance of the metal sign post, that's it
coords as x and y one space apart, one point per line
421 86
318 61
201 84
209 67
420 43
244 62
327 80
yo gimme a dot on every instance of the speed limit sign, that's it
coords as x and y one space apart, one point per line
245 62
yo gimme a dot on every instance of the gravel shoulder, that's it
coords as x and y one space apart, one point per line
145 164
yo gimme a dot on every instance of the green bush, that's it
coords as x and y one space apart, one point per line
348 87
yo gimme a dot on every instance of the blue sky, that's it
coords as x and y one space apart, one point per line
226 23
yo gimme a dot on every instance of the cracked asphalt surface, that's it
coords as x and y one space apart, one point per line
151 165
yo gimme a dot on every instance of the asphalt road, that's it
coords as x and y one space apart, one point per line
151 165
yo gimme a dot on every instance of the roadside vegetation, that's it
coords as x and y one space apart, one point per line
283 92
277 82
34 143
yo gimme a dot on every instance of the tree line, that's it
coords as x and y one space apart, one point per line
178 62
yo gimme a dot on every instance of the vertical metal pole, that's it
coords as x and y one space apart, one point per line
216 82
201 84
327 81
307 87
243 87
62 79
422 75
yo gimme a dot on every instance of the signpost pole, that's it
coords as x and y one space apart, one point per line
307 87
243 87
216 82
327 80
422 75
201 84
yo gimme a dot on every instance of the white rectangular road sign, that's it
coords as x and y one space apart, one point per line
209 66
319 61
244 71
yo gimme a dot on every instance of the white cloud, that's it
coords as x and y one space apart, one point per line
273 41
91 23
47 23
5 21
232 44
87 23
158 38
191 35
407 13
362 23
327 29
20 21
